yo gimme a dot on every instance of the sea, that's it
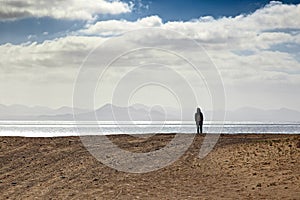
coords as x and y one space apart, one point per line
75 128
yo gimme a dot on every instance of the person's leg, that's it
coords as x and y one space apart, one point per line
201 124
197 128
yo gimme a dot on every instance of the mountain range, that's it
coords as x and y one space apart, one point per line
139 112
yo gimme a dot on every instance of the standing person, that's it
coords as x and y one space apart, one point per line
199 120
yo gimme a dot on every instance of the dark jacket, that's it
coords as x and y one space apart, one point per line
199 117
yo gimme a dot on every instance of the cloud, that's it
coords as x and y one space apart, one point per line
61 52
42 74
246 43
259 30
116 27
67 9
250 51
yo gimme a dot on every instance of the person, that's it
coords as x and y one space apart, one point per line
199 120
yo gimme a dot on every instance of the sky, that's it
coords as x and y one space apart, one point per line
254 45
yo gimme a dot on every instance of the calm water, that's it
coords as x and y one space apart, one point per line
67 128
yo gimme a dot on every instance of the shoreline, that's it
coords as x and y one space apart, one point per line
145 134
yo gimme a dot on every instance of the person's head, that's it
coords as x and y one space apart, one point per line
198 110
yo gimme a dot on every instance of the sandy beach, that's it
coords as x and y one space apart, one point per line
252 166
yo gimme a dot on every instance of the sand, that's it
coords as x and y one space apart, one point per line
253 166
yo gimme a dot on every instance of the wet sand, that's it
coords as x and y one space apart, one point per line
252 166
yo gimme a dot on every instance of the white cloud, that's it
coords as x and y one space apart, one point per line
116 27
257 33
42 74
261 29
61 52
66 9
260 70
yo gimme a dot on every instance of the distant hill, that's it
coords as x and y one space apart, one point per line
21 112
139 112
110 112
